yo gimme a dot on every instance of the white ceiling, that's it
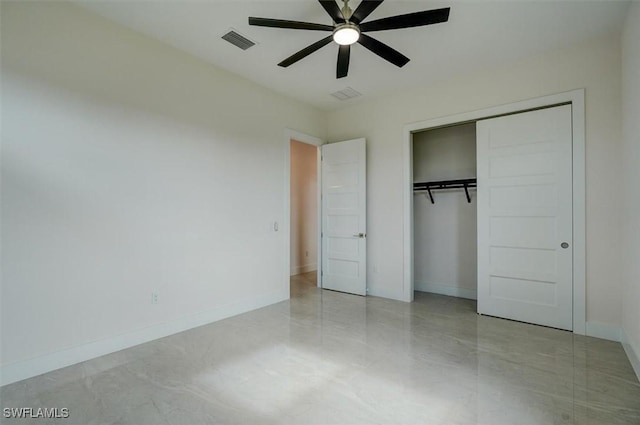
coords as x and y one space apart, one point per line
479 33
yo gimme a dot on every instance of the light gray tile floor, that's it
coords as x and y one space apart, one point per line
330 358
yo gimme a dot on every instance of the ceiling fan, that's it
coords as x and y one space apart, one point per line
348 28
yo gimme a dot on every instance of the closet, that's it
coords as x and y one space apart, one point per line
493 214
444 181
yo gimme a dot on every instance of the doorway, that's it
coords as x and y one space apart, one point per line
303 216
576 99
444 211
302 253
341 212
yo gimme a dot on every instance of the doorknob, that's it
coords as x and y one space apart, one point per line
359 235
564 245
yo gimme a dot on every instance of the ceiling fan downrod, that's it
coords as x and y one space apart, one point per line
346 10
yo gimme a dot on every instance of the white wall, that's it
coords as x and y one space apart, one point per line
631 177
445 233
594 65
304 207
129 167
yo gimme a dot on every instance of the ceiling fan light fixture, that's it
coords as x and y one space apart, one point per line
346 34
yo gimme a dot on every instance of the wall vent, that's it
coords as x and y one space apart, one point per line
345 94
238 40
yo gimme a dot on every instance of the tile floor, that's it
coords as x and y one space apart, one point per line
330 358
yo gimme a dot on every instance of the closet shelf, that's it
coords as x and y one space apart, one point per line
445 184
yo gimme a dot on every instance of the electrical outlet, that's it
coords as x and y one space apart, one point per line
306 253
154 298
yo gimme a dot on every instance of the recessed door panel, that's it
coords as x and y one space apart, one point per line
523 232
524 263
541 196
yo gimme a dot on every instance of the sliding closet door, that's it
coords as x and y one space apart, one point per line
525 217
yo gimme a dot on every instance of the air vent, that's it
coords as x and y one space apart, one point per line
238 40
345 94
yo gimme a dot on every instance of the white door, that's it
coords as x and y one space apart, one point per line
344 217
525 217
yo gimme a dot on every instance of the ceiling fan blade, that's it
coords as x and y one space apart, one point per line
343 61
305 52
384 51
333 10
364 9
409 20
281 23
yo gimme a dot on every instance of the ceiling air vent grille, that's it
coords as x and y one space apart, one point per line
238 40
345 94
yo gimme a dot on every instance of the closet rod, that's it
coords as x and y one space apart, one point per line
445 184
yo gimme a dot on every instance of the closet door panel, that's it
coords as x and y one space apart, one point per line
525 217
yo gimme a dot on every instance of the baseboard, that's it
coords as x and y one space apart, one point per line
632 354
18 371
303 269
603 331
452 291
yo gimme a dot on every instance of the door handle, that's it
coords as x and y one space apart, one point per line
564 245
359 235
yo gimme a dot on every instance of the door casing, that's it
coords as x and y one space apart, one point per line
576 99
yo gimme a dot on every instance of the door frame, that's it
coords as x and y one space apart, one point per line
577 99
289 135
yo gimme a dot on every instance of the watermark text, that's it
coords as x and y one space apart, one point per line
35 412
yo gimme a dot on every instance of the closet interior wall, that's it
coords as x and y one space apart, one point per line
445 232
